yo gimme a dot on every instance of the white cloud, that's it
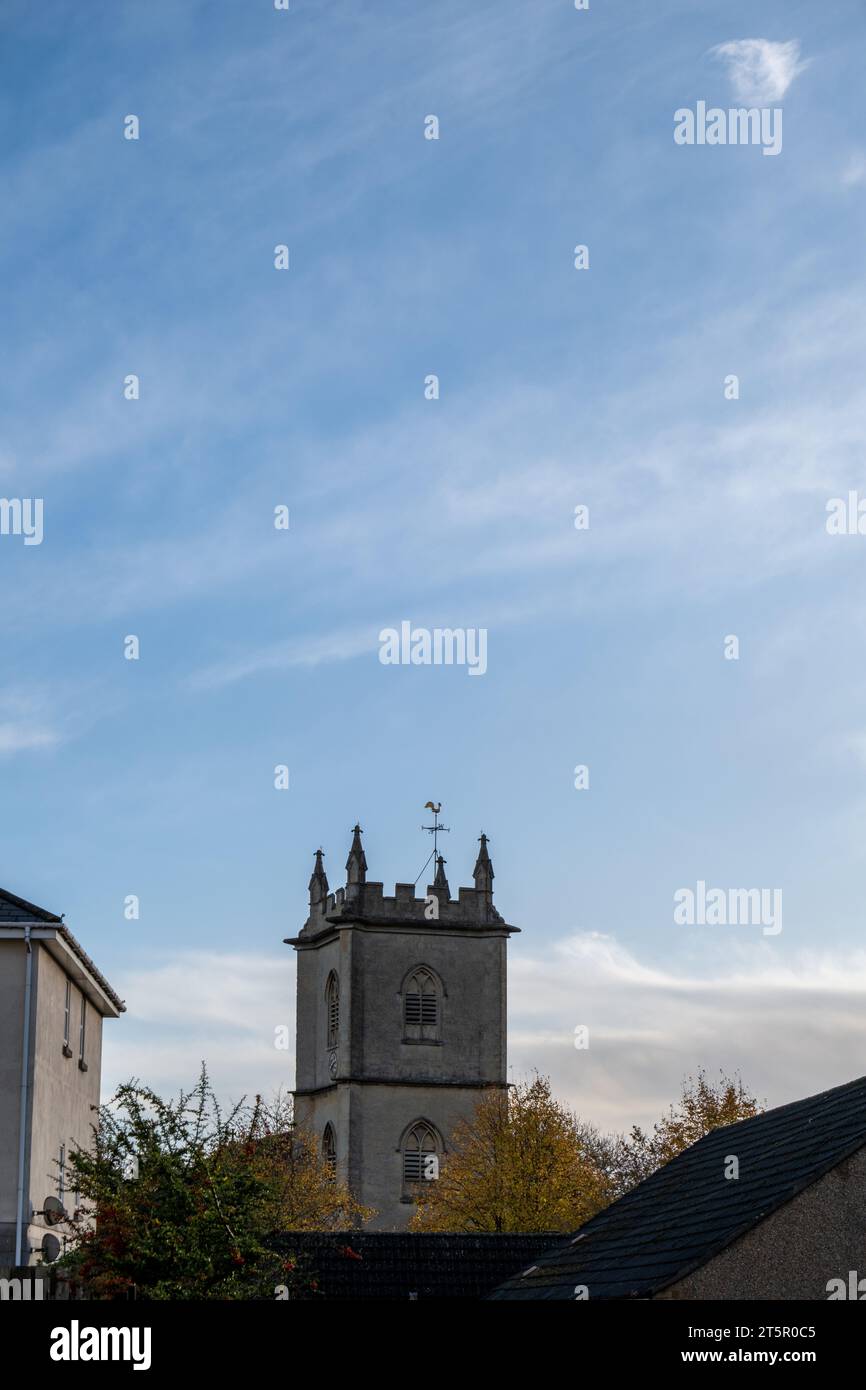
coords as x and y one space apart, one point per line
760 70
792 1023
199 1006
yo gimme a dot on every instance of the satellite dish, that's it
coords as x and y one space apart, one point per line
50 1247
53 1210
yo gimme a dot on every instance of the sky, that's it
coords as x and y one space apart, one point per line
605 387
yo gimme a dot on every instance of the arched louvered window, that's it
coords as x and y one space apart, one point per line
332 997
420 1153
329 1148
421 1006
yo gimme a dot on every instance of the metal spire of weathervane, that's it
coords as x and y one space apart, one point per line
435 830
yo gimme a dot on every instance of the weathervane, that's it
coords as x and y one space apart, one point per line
435 829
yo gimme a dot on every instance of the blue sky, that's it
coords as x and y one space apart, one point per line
557 388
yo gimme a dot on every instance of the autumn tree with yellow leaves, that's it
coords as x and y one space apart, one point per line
523 1162
519 1164
703 1105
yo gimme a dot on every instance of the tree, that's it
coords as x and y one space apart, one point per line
179 1201
525 1163
703 1106
518 1164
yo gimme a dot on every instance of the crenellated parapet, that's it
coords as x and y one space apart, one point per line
366 902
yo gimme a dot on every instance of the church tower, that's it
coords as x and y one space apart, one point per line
401 1025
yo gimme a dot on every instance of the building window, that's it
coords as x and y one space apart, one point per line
67 1018
82 1028
421 1149
332 996
421 1006
61 1180
329 1149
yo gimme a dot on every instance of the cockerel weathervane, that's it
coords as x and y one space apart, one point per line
434 829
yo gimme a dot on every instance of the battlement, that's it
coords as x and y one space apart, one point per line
435 907
366 902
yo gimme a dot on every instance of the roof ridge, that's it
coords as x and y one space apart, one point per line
678 1219
764 1115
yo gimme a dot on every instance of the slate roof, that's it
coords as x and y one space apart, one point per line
687 1212
395 1264
18 911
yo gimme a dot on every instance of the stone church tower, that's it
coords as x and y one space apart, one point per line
401 1024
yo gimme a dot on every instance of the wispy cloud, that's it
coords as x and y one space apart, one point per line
790 1023
760 70
28 722
38 717
854 172
16 738
314 650
734 499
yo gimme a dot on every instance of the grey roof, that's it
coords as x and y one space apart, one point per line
687 1212
18 912
394 1264
14 911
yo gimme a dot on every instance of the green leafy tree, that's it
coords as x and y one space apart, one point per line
179 1201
